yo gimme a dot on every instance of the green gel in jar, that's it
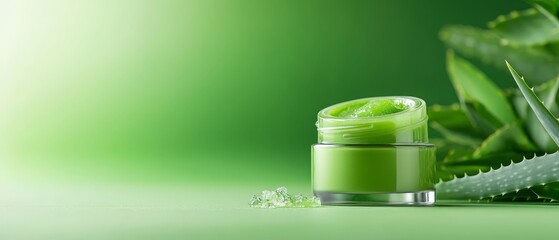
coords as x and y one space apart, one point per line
374 151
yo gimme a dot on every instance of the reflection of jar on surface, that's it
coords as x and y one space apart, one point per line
374 151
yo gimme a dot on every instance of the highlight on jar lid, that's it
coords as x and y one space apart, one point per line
375 120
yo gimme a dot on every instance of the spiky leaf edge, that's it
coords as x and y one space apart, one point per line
547 119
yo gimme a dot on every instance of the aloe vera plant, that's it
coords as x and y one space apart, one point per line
501 144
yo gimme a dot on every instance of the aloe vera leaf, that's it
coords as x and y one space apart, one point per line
494 160
546 118
547 13
447 150
451 117
536 131
546 90
462 170
453 162
522 195
443 146
539 135
514 177
444 176
528 27
457 163
509 137
486 46
473 86
548 191
520 105
484 121
549 5
552 48
458 155
456 137
471 166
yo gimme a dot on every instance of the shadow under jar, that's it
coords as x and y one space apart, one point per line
374 151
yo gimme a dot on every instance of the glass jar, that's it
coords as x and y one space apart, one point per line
374 151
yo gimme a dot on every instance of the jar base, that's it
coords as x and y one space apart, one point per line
421 198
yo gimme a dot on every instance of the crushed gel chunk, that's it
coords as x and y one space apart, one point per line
281 199
374 108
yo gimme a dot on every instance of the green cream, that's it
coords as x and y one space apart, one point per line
363 169
385 120
370 108
374 151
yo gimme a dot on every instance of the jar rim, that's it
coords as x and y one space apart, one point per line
416 103
341 123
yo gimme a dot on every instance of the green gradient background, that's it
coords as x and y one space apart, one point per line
204 90
200 94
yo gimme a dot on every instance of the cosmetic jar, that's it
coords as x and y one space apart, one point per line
374 151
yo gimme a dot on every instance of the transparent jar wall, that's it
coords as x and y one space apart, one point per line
412 134
373 168
366 171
